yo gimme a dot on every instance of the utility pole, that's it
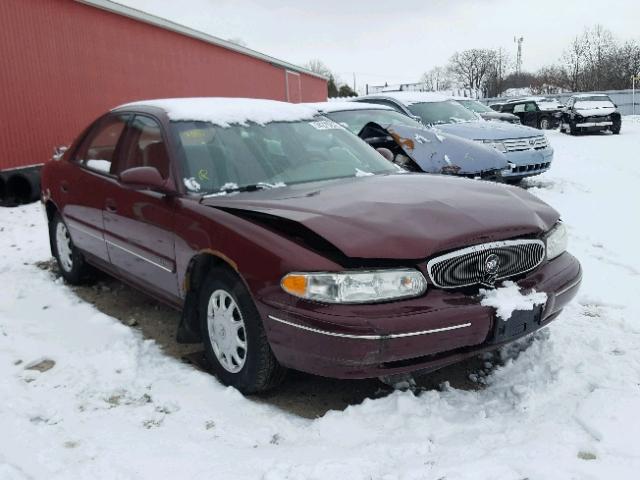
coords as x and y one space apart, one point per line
633 90
519 41
354 82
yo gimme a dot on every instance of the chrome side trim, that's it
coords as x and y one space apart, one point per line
139 256
369 337
82 230
569 287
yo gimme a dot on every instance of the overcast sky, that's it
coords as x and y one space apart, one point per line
396 41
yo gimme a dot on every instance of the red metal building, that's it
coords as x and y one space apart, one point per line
63 62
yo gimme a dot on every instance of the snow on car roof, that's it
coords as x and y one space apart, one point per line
228 111
413 97
330 107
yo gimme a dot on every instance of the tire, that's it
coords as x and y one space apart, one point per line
71 263
240 331
544 123
615 129
573 130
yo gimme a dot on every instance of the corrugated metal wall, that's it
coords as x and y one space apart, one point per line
63 63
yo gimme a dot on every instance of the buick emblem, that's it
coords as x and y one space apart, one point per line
489 270
491 264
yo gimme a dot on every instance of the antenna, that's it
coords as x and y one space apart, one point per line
519 41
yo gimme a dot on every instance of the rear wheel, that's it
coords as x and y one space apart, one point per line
545 123
235 342
70 261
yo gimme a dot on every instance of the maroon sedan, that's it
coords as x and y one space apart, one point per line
287 242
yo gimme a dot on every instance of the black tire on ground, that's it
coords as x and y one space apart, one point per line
615 129
260 369
513 181
544 123
71 263
573 130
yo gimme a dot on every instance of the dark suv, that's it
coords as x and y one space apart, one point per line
590 112
534 112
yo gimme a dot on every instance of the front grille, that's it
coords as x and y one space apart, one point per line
466 267
531 168
521 144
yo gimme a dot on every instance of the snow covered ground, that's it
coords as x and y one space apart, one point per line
114 406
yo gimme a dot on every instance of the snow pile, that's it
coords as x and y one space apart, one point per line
508 298
228 111
409 98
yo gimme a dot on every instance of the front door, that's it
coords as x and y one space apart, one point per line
139 223
83 190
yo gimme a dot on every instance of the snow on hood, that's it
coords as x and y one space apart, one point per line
330 107
228 111
489 130
591 108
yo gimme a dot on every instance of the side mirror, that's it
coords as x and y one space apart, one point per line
145 178
386 153
58 151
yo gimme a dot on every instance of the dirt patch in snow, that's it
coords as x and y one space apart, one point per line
302 394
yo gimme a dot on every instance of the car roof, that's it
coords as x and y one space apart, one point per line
340 106
225 111
409 98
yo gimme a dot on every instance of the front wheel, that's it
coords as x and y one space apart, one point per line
70 261
616 129
234 339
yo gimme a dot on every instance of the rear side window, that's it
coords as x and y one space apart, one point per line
98 150
518 108
145 147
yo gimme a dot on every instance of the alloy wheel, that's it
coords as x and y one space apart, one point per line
227 331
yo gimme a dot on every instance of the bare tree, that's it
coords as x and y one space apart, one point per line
319 67
574 59
472 66
437 79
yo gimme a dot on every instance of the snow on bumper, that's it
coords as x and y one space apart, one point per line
422 334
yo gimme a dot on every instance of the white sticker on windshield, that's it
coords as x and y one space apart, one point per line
325 125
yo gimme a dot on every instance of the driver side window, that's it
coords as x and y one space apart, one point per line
145 147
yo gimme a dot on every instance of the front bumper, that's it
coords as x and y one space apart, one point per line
528 163
594 124
422 334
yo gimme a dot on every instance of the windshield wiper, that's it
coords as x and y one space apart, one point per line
232 188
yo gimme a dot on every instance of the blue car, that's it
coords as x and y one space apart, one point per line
526 149
411 145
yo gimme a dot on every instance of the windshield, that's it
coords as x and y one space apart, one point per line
596 101
475 106
354 120
438 113
219 159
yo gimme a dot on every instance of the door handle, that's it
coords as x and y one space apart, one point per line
110 206
64 186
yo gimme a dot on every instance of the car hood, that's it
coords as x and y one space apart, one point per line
595 112
438 153
489 130
502 116
399 216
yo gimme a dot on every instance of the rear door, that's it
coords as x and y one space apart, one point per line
139 224
85 189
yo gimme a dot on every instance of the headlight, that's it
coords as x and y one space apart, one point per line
497 145
355 286
556 241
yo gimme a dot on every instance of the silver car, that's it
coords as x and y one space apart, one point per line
527 149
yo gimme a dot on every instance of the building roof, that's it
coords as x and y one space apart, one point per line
141 16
